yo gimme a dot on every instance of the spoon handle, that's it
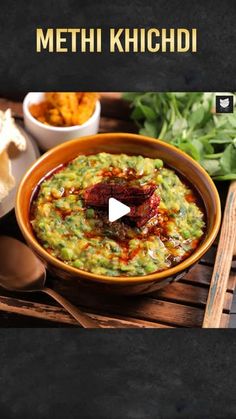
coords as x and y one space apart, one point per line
81 317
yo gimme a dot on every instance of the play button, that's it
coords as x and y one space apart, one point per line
116 209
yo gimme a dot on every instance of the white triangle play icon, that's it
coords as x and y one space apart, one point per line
116 210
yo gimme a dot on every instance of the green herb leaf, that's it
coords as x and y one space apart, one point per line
179 125
148 112
211 166
186 121
191 150
228 160
149 129
196 117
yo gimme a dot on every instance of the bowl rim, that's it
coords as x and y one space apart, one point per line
72 128
119 280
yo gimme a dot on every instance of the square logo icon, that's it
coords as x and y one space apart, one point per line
224 104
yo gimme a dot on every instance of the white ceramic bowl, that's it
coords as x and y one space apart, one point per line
49 136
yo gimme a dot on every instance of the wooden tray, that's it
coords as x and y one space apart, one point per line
180 304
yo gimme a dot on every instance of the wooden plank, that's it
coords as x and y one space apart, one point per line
232 279
116 125
113 106
8 320
233 265
232 321
231 282
58 314
222 263
188 294
234 251
209 257
160 311
228 300
123 322
233 307
201 276
38 310
224 321
140 307
183 293
16 107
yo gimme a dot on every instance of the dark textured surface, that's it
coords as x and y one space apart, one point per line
108 374
211 68
117 374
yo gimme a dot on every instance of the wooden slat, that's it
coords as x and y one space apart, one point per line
189 294
209 257
174 312
58 314
143 308
224 321
16 107
183 293
233 266
234 251
18 320
113 106
161 311
228 300
223 262
232 321
116 125
233 307
201 275
232 280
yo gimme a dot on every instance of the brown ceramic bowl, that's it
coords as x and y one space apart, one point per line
119 143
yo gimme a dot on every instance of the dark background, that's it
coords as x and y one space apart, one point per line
212 68
149 374
117 374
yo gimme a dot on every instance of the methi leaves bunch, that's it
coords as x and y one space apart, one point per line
189 122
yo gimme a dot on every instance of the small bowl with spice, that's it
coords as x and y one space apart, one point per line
55 117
